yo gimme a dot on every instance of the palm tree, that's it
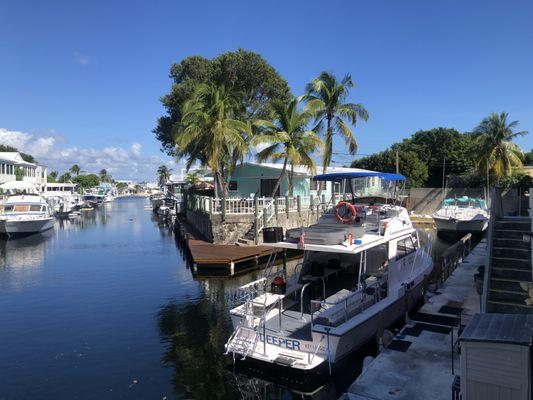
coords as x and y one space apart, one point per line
192 178
288 139
66 177
163 174
104 176
75 169
210 134
498 155
326 99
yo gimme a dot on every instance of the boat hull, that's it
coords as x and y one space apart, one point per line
454 225
26 226
356 337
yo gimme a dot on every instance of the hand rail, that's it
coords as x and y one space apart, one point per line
302 299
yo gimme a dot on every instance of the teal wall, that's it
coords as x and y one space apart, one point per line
248 178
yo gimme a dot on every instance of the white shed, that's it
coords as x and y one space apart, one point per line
496 357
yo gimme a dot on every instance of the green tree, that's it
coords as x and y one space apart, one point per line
75 169
243 72
528 158
436 145
122 186
163 174
26 157
414 169
211 135
66 177
288 139
19 173
86 181
52 176
326 97
192 178
496 151
104 176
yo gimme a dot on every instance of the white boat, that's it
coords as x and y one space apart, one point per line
463 214
24 214
356 279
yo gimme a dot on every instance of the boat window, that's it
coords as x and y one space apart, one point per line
43 208
21 208
8 208
1 208
35 207
404 247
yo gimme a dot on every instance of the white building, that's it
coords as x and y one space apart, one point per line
11 161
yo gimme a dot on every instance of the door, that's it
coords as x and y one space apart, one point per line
267 185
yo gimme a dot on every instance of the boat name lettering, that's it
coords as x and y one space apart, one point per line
290 344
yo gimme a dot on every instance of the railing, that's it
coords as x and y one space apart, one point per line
496 211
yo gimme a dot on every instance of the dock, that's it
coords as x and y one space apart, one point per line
223 260
422 361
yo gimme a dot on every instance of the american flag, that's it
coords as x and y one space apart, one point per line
301 242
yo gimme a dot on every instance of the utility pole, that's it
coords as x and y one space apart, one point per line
443 180
397 162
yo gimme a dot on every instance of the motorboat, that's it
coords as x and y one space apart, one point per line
363 269
24 214
462 214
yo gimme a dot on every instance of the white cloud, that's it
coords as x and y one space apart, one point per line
81 59
120 162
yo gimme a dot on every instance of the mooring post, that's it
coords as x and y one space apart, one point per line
287 206
256 220
265 217
311 202
299 205
223 207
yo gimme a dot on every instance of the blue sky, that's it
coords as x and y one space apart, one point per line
81 81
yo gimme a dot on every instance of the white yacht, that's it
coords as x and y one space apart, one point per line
462 214
24 214
362 271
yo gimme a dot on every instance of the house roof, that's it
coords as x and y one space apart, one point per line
14 157
304 171
500 328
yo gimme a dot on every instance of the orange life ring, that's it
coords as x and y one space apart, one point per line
351 208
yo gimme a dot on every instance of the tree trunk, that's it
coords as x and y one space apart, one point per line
291 181
326 155
280 177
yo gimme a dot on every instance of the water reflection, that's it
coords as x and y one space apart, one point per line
25 251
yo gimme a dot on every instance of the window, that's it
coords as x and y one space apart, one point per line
313 185
404 248
233 185
8 208
21 208
35 207
267 186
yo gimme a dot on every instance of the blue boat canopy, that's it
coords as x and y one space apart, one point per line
339 176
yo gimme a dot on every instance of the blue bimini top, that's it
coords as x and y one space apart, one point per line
339 176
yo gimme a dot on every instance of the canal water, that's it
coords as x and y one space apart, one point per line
105 307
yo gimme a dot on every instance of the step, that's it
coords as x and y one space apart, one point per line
508 296
505 284
503 234
512 243
514 253
513 225
509 308
511 262
511 274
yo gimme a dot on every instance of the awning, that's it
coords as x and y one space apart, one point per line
18 185
359 174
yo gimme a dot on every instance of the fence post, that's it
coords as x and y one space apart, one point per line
311 204
223 207
333 199
256 220
276 209
287 206
210 206
265 217
299 205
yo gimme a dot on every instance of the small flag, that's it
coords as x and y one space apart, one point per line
301 242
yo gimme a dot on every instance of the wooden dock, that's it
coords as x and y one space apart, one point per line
219 260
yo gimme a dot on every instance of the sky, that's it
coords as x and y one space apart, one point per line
80 82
